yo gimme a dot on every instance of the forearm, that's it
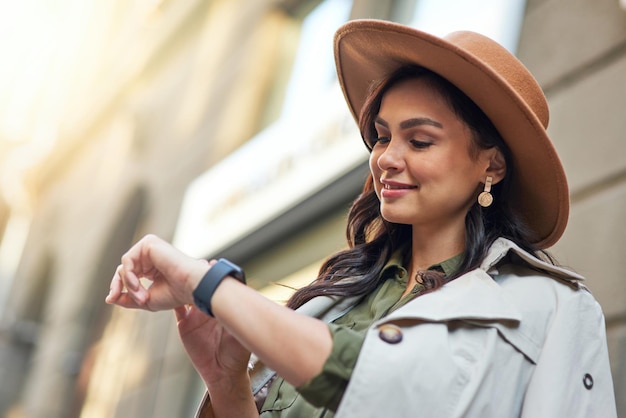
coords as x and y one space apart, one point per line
232 398
294 345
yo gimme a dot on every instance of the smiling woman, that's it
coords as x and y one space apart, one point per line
441 305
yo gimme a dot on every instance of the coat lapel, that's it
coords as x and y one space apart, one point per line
474 295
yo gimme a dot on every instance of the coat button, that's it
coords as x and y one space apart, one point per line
390 333
588 381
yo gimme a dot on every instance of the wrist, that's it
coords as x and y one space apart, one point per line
194 278
223 385
208 284
226 381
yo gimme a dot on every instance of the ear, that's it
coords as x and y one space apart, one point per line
497 165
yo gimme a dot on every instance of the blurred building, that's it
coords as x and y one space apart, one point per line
218 124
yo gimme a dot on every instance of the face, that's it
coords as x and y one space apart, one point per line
421 164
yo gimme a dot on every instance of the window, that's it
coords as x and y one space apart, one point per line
497 19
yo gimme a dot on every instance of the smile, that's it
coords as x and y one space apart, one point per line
394 190
398 187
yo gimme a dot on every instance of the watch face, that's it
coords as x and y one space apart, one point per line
234 271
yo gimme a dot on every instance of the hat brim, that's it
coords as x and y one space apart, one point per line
368 50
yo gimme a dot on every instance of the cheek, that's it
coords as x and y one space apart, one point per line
375 170
372 160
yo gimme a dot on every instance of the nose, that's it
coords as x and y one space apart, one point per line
391 157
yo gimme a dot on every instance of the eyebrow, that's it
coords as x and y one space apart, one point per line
411 123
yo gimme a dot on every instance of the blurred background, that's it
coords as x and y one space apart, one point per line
219 125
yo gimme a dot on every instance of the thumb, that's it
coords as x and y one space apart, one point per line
181 313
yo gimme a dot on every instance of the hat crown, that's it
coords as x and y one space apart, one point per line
506 66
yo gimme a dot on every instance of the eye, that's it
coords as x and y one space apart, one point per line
420 144
381 140
378 140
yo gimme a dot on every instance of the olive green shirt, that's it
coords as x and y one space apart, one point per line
320 396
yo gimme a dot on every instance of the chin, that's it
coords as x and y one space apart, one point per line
396 218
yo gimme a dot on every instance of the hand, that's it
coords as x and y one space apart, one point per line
173 276
217 356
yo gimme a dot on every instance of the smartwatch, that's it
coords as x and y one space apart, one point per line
204 292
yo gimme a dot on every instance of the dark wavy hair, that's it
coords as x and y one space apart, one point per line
372 240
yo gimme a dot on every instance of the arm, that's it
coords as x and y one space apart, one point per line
294 345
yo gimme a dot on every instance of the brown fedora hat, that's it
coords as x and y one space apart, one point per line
368 50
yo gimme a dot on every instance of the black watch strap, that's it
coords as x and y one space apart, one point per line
204 292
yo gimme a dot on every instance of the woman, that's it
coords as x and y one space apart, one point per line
445 304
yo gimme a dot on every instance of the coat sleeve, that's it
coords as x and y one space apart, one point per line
572 377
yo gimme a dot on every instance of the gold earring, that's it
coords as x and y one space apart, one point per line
485 199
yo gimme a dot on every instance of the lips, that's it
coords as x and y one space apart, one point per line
394 185
398 187
393 189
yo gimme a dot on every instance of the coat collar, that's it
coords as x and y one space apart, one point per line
477 295
474 295
502 246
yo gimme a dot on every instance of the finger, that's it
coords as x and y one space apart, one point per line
137 292
135 262
125 301
116 287
112 296
180 312
129 278
140 296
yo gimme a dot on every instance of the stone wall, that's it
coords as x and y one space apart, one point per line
577 50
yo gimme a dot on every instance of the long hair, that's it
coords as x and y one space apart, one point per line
372 240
